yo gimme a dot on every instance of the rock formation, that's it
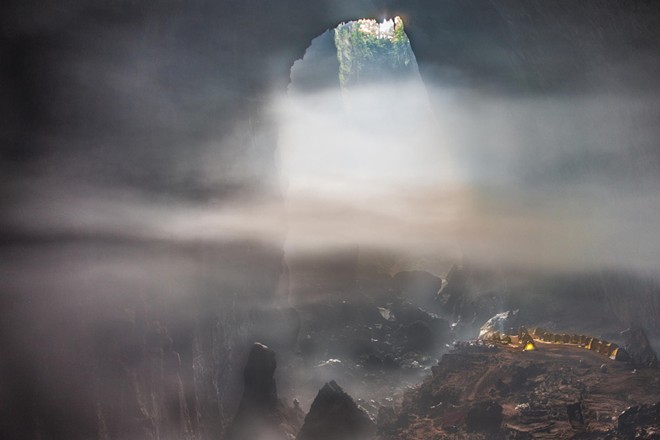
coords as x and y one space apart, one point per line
334 415
261 415
640 421
639 349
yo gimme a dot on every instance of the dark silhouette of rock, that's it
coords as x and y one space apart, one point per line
261 415
258 374
484 416
638 347
419 336
637 421
334 416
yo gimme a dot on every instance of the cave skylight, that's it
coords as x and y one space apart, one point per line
368 51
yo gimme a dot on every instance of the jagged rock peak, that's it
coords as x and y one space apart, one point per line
335 415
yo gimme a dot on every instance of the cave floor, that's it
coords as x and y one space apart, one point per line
553 392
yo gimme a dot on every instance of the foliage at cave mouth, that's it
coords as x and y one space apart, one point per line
369 51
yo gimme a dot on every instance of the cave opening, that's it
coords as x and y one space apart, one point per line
357 137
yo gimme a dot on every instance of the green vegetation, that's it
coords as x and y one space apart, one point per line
368 51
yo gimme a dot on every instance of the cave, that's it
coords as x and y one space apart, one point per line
212 220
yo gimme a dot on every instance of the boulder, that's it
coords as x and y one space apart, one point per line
636 421
638 348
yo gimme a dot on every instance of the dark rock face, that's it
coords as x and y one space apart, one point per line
408 314
639 421
260 386
260 414
484 416
419 336
638 348
334 415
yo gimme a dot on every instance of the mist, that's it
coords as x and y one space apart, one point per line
158 173
553 182
558 182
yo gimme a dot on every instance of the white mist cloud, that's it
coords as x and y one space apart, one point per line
547 182
539 183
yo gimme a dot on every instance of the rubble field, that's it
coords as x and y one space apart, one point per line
489 392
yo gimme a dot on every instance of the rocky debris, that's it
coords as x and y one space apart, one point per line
639 349
484 416
557 391
640 422
376 343
261 415
377 332
335 415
